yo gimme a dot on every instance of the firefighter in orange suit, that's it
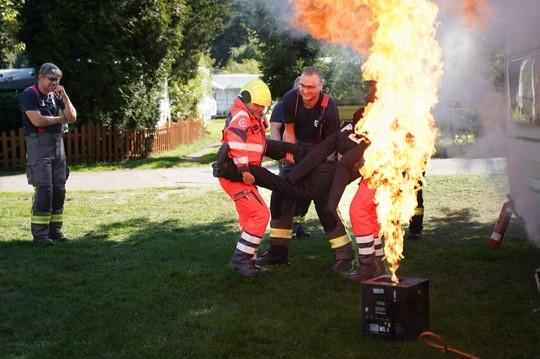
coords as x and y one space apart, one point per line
245 136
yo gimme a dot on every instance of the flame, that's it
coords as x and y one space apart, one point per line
475 12
406 61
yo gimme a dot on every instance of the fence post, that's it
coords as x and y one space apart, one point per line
22 147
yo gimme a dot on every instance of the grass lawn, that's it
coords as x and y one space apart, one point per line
145 276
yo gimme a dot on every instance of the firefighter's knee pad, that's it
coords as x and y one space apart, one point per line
43 198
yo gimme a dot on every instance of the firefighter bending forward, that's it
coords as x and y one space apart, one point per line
245 135
46 107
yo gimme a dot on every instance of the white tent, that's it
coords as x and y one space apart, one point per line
226 87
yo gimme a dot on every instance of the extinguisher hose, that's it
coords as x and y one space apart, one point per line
435 341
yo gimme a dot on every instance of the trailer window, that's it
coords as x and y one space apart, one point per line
523 89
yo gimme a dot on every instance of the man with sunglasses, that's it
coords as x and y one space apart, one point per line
310 116
46 107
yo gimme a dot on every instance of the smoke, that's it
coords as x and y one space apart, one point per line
474 35
473 80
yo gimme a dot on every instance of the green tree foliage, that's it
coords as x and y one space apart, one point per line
10 48
203 22
185 95
115 63
283 53
343 74
235 34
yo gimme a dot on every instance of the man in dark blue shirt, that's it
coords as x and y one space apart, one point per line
301 207
46 108
309 116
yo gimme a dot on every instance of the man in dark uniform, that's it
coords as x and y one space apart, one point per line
301 207
46 108
310 116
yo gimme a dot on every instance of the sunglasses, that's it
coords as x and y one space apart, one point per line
53 79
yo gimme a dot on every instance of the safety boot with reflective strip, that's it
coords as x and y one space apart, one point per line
379 255
278 252
39 225
367 268
344 253
55 227
242 259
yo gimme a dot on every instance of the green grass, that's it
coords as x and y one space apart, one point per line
145 276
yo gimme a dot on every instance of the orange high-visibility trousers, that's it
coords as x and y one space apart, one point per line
363 211
253 213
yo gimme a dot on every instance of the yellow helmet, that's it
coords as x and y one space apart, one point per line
257 92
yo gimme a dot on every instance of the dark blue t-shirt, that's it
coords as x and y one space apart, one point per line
48 105
307 122
277 113
277 116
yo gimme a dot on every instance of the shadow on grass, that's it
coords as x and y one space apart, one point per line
138 288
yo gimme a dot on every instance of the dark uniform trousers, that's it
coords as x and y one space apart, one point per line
315 185
46 171
347 169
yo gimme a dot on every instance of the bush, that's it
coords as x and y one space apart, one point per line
10 112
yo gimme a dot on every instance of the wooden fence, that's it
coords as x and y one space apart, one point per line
96 143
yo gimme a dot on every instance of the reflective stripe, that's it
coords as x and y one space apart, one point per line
366 251
239 114
253 147
418 211
245 249
251 239
57 217
40 219
364 239
377 240
495 236
379 252
237 145
339 242
281 233
241 160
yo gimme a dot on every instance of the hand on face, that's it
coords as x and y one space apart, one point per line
59 90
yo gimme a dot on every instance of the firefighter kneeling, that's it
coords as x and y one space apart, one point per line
245 135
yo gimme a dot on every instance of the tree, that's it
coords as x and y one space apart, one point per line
116 63
203 22
283 54
9 47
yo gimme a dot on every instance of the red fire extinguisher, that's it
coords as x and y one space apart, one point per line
501 225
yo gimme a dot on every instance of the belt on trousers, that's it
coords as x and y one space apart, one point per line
37 134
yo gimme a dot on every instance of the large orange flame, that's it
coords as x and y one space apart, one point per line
406 61
475 13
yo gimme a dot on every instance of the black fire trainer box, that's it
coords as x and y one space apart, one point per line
395 310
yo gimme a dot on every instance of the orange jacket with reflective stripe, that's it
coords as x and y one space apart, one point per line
245 135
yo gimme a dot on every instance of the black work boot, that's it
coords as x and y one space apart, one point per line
55 232
242 263
344 259
366 269
40 232
411 236
379 265
299 231
274 255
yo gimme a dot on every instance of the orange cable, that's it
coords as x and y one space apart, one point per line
433 340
